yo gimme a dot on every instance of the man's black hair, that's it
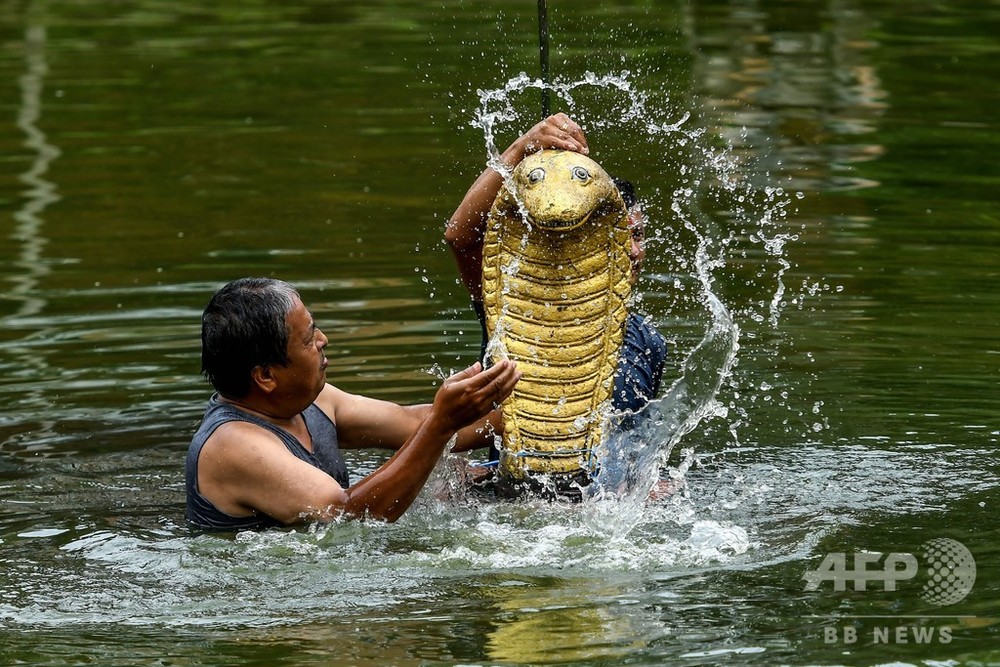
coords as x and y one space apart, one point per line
627 190
244 326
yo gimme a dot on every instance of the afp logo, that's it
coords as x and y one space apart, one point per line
948 569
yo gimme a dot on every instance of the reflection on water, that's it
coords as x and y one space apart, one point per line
30 265
795 89
563 622
324 146
41 193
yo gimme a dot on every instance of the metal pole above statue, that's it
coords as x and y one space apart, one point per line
543 54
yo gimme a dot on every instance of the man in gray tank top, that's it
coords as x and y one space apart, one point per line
268 450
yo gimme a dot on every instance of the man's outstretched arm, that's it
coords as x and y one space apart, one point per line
244 469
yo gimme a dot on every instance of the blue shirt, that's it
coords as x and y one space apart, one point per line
640 365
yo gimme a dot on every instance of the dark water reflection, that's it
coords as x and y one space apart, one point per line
153 150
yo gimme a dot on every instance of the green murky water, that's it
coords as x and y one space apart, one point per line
152 150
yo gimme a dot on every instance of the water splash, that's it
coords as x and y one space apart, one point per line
713 218
497 109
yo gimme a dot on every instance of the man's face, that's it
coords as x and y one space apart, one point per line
305 374
637 251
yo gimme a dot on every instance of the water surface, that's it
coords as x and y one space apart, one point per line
154 150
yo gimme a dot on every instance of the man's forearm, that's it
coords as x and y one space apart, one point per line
390 490
467 226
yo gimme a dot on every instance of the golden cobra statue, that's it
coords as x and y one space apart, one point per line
556 286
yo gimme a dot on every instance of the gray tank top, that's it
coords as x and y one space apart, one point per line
325 456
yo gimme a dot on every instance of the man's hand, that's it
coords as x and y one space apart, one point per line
556 131
470 395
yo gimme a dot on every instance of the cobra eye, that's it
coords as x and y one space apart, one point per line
537 174
580 174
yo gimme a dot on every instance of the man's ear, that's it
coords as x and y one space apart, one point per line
263 378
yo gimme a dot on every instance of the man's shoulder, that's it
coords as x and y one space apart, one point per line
328 401
236 437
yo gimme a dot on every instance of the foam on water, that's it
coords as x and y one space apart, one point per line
734 511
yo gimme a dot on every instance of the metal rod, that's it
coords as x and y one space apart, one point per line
543 54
